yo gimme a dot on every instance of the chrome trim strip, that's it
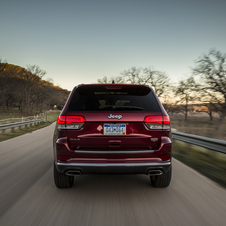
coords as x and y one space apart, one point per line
67 128
114 152
155 164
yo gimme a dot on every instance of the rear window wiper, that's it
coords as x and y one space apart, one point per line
127 107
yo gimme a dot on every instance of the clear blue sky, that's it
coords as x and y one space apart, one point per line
80 41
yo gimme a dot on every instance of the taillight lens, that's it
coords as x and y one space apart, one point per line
74 119
61 120
153 119
70 122
166 120
157 122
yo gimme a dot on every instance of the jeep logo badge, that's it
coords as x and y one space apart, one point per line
115 116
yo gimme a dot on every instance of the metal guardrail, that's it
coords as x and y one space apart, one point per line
19 124
209 143
28 118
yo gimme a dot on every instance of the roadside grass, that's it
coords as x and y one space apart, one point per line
51 117
209 163
14 112
11 113
200 124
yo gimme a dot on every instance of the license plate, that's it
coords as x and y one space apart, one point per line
114 129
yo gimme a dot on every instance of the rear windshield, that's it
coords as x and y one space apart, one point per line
99 98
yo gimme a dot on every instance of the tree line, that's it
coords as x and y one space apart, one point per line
25 89
205 88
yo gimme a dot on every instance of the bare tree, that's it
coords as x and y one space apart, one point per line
186 91
148 76
8 85
133 75
116 79
30 88
169 103
143 76
36 70
25 88
212 69
3 65
209 108
159 80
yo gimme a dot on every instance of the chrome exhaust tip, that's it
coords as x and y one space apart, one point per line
155 172
73 173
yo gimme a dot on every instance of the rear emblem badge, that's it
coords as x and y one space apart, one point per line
115 116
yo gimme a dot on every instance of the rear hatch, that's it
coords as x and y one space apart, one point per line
114 117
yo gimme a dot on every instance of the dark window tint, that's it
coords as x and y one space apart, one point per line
99 98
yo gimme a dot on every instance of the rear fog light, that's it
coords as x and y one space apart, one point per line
165 158
62 158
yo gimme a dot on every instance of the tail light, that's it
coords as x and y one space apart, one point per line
157 122
166 120
74 119
61 120
70 122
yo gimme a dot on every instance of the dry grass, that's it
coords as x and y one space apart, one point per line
51 117
209 163
200 124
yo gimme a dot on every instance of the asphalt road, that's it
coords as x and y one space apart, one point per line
28 195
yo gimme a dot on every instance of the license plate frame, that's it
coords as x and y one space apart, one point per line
114 129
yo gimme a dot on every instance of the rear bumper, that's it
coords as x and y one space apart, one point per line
99 168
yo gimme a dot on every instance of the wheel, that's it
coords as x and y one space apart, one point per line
62 180
163 180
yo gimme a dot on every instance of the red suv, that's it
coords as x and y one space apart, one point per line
112 128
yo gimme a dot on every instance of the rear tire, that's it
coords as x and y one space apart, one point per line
163 180
62 180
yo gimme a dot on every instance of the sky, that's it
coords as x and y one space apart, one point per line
78 41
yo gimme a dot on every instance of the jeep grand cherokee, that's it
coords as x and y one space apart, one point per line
112 128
